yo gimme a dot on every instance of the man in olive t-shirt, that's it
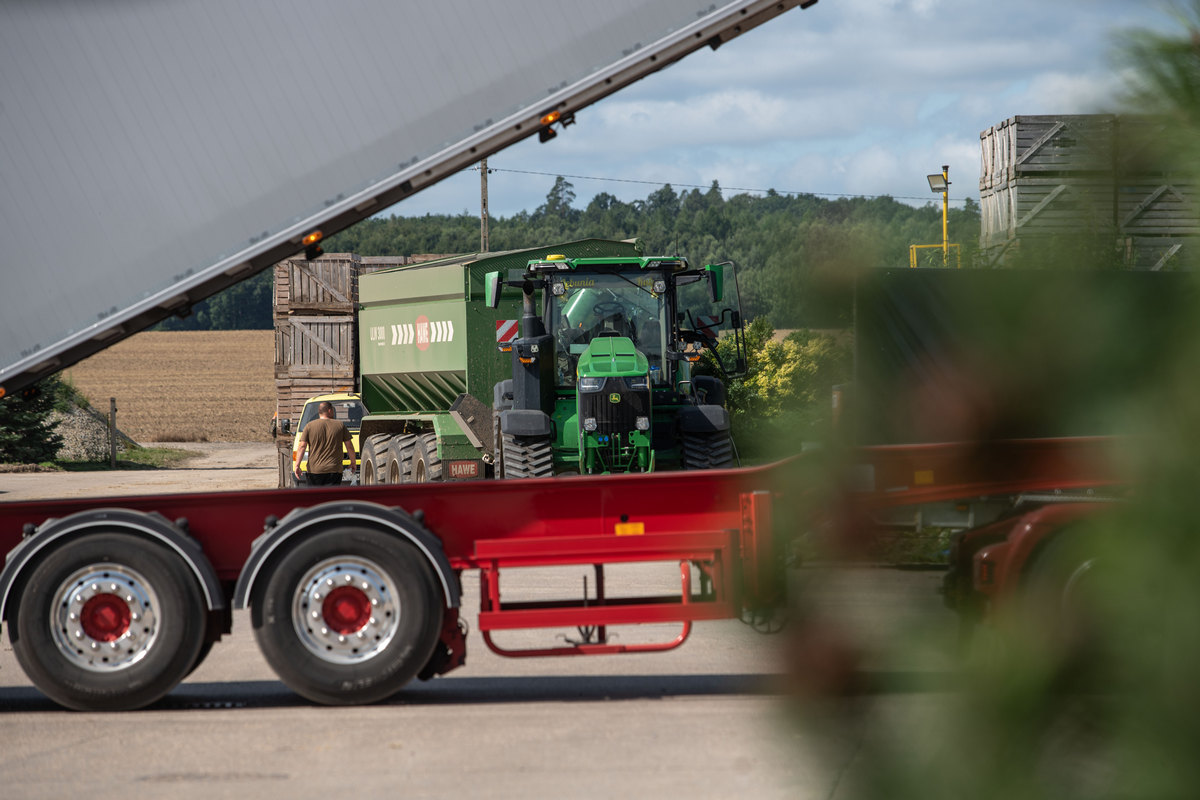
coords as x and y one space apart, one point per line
323 439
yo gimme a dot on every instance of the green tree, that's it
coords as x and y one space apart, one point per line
26 434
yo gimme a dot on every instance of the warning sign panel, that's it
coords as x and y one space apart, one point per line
506 330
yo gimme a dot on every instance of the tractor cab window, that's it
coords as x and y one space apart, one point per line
584 307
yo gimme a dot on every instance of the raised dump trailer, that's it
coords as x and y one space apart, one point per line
154 156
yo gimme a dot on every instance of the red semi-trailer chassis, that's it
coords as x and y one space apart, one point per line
354 591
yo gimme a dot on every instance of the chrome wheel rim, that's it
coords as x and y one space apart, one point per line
345 610
105 617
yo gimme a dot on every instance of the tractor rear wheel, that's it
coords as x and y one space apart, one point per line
706 450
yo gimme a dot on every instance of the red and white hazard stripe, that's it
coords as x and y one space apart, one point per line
506 330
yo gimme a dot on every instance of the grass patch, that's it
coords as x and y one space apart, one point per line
131 459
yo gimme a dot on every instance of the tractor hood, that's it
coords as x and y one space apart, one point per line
612 356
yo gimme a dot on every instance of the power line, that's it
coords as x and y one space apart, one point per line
702 186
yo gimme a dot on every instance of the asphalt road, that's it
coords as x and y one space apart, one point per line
719 717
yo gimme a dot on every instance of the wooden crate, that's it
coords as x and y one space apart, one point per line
1034 206
1039 145
325 285
293 392
1153 208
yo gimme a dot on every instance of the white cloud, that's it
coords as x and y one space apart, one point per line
848 96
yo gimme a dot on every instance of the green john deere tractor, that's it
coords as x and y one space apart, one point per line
603 377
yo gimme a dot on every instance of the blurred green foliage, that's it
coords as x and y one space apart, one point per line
1090 693
785 397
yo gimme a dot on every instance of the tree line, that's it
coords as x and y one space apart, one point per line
794 253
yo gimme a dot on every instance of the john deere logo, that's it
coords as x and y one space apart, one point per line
614 398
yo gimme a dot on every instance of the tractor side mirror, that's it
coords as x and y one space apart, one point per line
716 282
491 290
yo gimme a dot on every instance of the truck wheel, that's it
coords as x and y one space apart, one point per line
348 616
706 450
426 466
1059 604
373 460
526 456
108 622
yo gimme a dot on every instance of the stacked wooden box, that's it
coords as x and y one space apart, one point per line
1043 177
315 334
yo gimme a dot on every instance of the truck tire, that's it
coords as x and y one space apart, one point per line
398 460
1059 599
348 616
426 466
707 450
108 622
526 456
373 459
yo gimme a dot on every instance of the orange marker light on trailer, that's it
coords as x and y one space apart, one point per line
551 118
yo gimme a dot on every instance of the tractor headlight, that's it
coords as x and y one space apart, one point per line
589 424
591 384
639 382
642 423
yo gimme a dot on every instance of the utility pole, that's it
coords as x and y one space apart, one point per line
483 207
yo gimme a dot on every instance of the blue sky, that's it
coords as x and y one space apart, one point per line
856 97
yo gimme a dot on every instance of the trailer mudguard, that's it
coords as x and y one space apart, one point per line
303 521
151 525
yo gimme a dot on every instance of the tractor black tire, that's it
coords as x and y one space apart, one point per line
497 447
706 450
363 645
527 456
426 466
108 622
373 462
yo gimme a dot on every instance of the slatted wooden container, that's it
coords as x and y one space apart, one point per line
1045 206
1033 146
1099 176
315 325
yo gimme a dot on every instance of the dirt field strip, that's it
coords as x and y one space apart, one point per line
216 386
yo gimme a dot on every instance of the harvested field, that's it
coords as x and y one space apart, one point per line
185 386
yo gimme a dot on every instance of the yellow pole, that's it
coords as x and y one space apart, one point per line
945 211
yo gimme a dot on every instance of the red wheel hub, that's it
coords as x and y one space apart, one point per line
105 617
346 609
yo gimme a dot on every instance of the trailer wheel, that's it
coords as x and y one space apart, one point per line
527 456
398 459
426 466
1060 599
373 462
706 450
348 616
109 622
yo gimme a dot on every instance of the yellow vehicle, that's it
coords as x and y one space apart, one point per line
346 407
